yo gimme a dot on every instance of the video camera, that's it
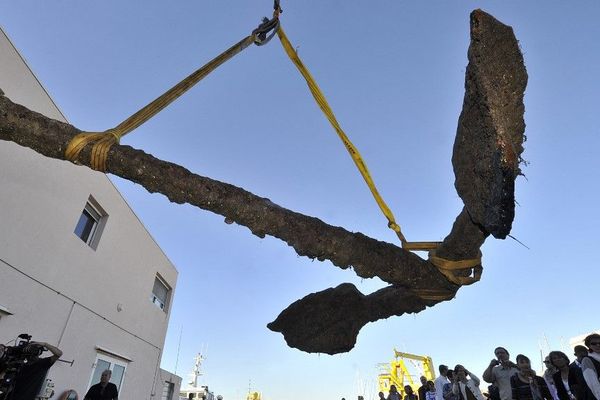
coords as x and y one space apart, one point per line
13 358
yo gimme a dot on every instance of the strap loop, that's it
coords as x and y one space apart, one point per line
267 25
449 268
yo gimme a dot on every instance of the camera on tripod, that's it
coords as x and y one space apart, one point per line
13 358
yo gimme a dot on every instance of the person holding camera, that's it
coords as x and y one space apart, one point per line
499 371
30 378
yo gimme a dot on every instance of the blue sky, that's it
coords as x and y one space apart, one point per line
393 72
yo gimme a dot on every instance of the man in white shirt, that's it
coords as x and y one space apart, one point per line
440 381
499 372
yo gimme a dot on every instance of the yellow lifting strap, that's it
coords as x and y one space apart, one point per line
322 102
104 140
446 267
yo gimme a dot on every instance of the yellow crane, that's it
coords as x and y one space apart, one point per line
253 396
396 373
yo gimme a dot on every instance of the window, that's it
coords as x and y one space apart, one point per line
91 223
160 293
168 389
116 366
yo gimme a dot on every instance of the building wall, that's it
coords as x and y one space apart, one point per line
59 289
17 79
168 377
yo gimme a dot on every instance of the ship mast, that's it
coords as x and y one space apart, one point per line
196 371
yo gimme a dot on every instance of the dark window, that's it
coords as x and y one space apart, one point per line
168 389
90 224
86 226
160 294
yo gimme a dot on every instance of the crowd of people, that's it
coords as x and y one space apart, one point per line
562 379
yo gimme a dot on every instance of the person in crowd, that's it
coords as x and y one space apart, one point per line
381 396
493 392
447 392
430 394
579 352
499 372
410 394
423 389
394 395
30 378
466 384
526 385
565 378
440 381
548 377
104 390
590 365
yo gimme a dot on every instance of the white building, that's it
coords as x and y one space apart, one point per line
77 268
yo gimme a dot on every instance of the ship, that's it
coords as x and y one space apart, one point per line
194 391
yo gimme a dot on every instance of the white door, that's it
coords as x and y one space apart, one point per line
117 367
